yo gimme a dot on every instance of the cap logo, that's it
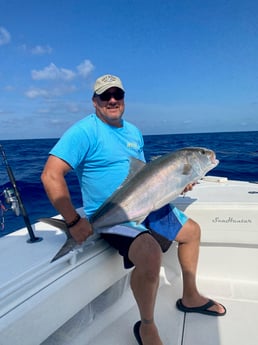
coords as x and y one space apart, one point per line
108 79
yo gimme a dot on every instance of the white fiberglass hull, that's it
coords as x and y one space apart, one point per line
84 298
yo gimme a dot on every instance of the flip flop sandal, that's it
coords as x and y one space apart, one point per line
203 309
136 331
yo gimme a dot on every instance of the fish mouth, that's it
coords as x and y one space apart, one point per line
214 160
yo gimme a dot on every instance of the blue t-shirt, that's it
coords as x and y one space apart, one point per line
100 155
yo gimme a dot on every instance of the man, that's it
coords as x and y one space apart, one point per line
98 149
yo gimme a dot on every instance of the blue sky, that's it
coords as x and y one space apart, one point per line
187 66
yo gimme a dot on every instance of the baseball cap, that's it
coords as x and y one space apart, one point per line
105 82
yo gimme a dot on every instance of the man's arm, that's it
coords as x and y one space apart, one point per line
53 179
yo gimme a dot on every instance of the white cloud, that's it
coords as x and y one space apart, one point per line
60 107
73 108
8 88
41 50
52 72
34 93
85 68
37 50
5 36
49 93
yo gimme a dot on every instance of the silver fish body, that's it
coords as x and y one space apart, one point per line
148 187
154 185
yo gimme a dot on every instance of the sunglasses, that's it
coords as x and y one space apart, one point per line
107 95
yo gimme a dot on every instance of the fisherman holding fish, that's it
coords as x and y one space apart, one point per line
103 148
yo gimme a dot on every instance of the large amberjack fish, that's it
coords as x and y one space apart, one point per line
147 188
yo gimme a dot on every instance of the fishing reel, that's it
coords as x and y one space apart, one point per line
11 199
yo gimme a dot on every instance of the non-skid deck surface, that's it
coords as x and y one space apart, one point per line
238 326
114 326
176 328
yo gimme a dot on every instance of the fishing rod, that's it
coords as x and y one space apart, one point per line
32 238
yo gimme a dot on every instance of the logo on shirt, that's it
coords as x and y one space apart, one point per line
132 145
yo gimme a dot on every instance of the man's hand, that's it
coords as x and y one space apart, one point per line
188 187
81 231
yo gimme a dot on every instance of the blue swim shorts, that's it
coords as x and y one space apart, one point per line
167 221
163 224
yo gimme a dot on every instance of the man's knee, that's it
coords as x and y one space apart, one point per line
191 231
146 254
195 230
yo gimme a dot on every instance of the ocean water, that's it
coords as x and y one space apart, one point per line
237 152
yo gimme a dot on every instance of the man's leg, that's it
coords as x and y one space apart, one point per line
188 239
146 254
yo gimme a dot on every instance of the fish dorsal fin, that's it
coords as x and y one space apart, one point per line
135 166
186 169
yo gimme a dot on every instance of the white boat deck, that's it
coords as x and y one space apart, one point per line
70 301
239 295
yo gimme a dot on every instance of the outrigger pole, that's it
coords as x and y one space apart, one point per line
32 238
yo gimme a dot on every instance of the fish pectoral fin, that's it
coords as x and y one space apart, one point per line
186 169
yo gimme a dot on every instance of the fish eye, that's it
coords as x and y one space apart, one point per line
202 151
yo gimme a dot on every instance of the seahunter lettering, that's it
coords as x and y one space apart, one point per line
231 220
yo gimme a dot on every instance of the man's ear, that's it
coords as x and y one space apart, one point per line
94 101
